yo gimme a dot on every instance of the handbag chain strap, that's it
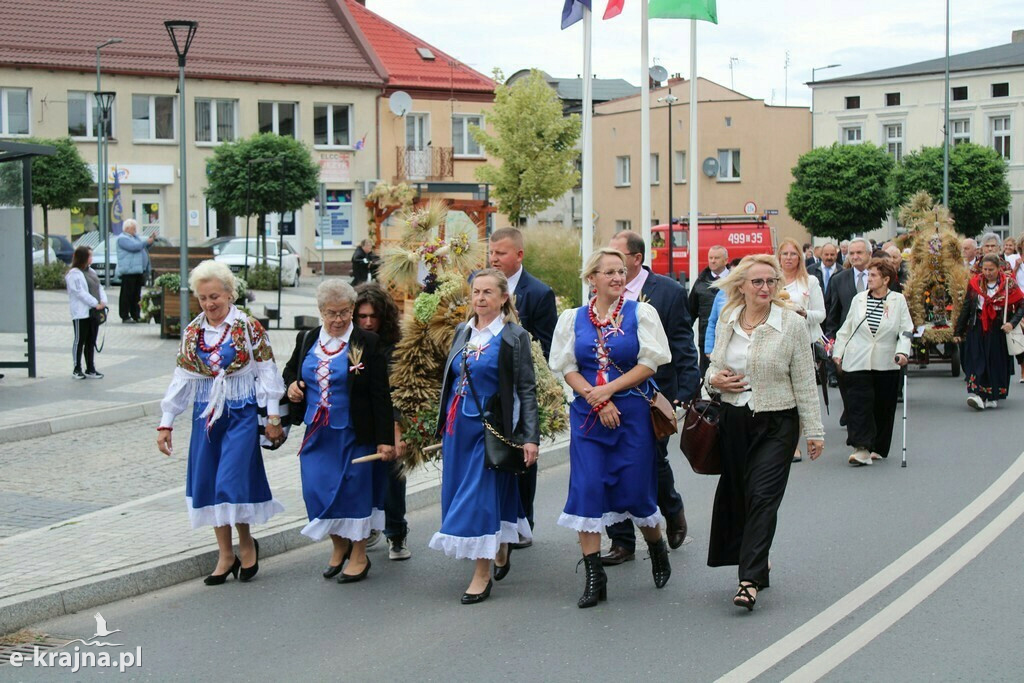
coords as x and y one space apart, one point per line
476 399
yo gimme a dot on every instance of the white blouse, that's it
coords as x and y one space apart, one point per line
736 360
808 296
654 348
330 342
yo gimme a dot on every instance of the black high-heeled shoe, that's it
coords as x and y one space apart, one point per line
660 567
218 579
596 587
502 571
333 570
476 598
246 574
744 598
352 578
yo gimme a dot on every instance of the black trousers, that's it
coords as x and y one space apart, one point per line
86 331
131 294
528 491
871 409
757 452
670 502
395 525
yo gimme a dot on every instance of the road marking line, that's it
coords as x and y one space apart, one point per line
842 608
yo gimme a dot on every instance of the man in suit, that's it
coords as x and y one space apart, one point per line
810 259
702 297
842 288
678 380
844 246
535 304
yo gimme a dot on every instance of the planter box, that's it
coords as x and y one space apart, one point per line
171 312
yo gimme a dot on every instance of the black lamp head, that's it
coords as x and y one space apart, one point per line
181 33
104 101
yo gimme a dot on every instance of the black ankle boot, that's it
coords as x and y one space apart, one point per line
596 587
660 567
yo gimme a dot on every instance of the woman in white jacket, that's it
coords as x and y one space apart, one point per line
871 347
85 293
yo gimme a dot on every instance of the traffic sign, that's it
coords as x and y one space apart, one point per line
771 212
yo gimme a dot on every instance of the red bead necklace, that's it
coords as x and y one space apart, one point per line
211 349
592 312
332 353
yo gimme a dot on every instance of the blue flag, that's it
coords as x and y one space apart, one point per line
116 206
572 12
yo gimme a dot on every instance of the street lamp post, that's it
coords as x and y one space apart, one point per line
816 69
101 165
182 33
670 99
104 102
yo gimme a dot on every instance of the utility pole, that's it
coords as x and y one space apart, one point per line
732 76
786 69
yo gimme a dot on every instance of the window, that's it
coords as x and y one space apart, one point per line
215 120
1000 90
14 114
853 102
679 175
958 93
892 99
960 130
623 225
332 124
153 117
894 140
1002 226
728 164
462 140
728 122
84 116
622 177
853 135
1000 126
655 170
278 118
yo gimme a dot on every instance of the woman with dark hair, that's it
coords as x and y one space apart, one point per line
992 296
85 294
376 312
871 347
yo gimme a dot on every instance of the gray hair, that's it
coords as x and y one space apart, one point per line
719 247
333 290
844 243
130 222
867 245
970 241
208 271
991 237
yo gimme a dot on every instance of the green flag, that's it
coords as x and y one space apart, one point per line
704 10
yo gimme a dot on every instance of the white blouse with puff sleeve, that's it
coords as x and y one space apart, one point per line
654 348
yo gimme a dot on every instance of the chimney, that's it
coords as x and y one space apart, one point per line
1017 36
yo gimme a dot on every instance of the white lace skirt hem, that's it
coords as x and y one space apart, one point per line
481 547
596 525
226 514
352 529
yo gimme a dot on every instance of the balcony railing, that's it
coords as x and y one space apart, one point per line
432 163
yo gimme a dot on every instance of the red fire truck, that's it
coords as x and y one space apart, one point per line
740 235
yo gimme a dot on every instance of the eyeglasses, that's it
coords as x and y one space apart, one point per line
621 272
759 282
328 314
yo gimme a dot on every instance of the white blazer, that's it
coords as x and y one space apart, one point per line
860 350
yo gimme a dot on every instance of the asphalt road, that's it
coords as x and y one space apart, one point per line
879 573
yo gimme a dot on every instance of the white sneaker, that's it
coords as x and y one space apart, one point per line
991 404
974 401
875 456
398 550
373 539
860 457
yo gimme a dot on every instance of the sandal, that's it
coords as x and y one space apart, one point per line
744 598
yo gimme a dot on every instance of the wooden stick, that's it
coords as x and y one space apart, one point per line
369 458
431 449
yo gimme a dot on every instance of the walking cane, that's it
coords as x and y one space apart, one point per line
906 399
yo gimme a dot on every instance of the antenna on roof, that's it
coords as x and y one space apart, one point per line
400 103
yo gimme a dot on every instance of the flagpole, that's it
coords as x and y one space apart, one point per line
694 227
645 135
587 238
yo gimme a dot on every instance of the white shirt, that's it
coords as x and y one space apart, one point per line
654 349
330 342
480 337
736 360
857 275
513 280
808 296
725 271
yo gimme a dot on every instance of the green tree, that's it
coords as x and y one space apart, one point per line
535 143
841 190
58 181
978 191
244 178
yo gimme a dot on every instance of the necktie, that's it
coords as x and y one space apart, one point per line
860 281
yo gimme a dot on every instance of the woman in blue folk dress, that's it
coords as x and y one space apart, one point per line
226 368
480 508
608 350
339 378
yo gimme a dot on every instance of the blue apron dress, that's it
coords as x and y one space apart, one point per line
226 482
612 472
480 508
342 499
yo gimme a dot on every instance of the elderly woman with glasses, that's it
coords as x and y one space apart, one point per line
339 377
608 350
762 366
226 369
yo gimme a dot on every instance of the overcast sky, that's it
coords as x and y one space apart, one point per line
861 36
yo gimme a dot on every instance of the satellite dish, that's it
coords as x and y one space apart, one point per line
400 103
710 167
659 73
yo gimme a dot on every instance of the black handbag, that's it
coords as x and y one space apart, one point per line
500 452
98 316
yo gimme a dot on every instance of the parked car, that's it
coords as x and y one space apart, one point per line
62 247
40 249
215 243
99 263
234 255
740 235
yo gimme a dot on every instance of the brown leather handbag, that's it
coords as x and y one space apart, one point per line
663 416
699 437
